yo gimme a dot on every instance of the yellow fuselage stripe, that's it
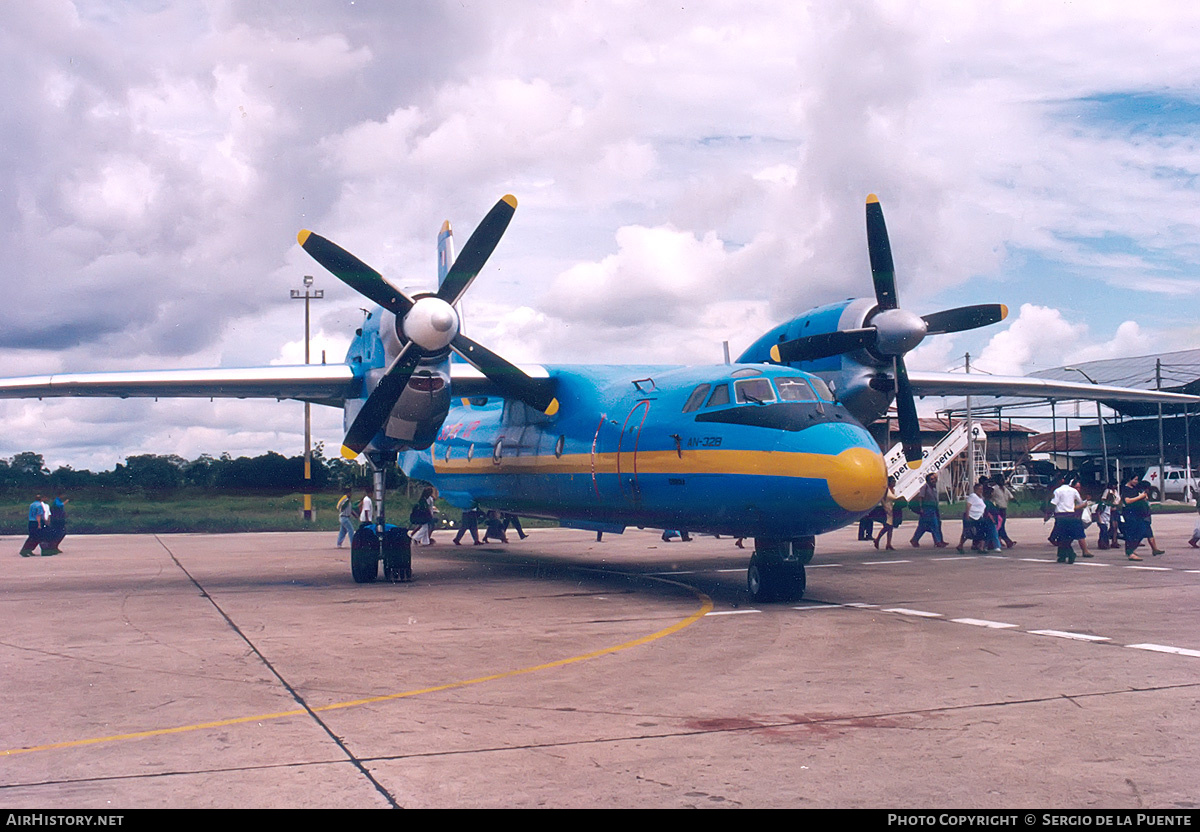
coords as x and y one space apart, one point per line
749 463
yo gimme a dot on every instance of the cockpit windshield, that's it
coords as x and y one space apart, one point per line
754 391
758 391
795 390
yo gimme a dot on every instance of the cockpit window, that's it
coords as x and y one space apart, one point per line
754 391
795 390
822 388
720 395
697 398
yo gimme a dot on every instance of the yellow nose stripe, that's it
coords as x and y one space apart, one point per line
858 480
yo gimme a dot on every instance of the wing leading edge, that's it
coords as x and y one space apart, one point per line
329 384
979 384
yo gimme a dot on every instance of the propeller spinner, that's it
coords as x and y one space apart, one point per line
428 325
889 331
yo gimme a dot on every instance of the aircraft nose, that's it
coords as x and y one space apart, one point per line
858 479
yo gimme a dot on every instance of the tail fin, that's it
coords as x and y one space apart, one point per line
445 255
445 246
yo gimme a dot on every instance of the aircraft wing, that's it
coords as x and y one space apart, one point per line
329 384
980 384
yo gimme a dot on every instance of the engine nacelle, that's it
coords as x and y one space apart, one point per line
417 418
862 379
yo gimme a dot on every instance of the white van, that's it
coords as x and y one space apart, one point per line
1178 485
1026 482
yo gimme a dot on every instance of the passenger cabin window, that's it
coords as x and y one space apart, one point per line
795 390
697 398
754 391
720 395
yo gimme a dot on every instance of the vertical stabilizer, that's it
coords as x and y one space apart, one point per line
445 251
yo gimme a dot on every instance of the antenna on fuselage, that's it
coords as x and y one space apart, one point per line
725 344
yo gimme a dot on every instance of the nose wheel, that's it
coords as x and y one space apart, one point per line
776 571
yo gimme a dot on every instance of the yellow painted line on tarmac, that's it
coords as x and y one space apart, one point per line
706 606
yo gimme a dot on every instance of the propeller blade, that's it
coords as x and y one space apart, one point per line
478 249
964 317
378 406
883 272
354 273
906 412
512 381
812 347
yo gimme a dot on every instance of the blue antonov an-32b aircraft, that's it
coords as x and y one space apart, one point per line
772 447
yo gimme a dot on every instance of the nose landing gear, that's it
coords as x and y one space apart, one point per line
776 571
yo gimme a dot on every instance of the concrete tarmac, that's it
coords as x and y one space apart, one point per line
250 671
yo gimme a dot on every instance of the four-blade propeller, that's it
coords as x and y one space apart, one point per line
889 331
428 325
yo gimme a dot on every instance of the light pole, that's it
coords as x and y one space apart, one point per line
1100 420
307 295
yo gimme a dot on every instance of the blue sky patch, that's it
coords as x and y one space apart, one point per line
1159 113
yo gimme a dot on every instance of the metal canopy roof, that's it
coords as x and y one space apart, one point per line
1180 374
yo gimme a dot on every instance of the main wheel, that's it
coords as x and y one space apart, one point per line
770 579
760 580
397 555
364 555
792 581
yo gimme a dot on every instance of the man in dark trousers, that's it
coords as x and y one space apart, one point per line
37 525
470 523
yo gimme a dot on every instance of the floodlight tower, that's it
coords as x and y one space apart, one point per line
307 295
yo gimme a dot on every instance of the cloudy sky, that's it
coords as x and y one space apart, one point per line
687 174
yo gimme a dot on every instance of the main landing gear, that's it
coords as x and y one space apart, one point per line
776 570
378 540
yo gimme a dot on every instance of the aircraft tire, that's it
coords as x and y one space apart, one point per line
760 580
792 581
775 580
397 555
364 555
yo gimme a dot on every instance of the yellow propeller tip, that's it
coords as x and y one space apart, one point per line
510 199
302 237
915 465
349 453
872 198
553 408
775 355
1003 311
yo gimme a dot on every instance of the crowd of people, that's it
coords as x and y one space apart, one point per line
423 518
1121 514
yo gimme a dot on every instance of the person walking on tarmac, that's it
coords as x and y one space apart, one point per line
891 518
37 525
421 518
1068 523
931 517
1001 496
57 526
1136 499
345 509
470 523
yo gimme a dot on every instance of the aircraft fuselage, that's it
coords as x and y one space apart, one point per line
728 449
